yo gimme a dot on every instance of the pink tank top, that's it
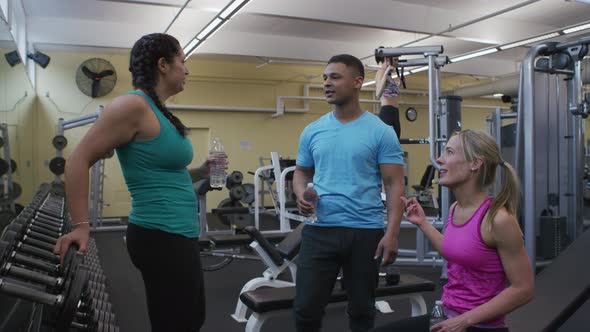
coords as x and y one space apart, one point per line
474 270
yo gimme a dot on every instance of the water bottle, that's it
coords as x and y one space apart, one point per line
311 196
217 164
438 313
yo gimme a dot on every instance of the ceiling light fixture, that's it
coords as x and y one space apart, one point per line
587 2
419 69
576 28
215 24
529 41
473 55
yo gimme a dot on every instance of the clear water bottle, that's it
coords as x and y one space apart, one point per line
438 313
311 196
218 160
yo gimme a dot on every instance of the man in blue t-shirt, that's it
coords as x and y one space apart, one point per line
347 154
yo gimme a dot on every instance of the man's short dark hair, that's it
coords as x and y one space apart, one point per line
350 61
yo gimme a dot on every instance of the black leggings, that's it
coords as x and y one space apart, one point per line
390 115
171 269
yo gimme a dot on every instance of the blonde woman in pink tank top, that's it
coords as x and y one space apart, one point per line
489 274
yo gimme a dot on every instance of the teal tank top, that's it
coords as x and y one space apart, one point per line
162 194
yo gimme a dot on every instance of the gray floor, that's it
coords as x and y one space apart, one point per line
127 295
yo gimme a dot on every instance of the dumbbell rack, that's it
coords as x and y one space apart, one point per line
8 181
57 296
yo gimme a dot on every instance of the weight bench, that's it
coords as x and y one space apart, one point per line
560 290
277 259
242 239
268 302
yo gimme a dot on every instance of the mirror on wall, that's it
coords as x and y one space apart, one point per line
17 98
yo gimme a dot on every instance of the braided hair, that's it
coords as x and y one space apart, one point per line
143 66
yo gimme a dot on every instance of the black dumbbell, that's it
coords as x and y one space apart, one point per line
94 304
94 317
12 243
54 283
39 227
233 179
50 214
34 227
95 327
65 304
391 275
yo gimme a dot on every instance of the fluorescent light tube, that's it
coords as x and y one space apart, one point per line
419 69
231 8
209 28
367 83
576 29
192 50
529 41
191 44
473 55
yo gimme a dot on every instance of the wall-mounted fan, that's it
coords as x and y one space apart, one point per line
96 77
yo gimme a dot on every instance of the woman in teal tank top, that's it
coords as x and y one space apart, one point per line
151 144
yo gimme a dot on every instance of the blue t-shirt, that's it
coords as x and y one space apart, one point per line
346 159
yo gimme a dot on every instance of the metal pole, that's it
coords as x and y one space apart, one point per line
497 123
415 50
80 123
80 118
528 135
432 109
577 165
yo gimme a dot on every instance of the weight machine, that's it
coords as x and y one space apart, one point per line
57 166
546 145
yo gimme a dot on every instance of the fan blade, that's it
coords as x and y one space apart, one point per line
104 73
95 86
90 74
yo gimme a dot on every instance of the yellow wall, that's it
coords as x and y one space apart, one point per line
17 101
213 83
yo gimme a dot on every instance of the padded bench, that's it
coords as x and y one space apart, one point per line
277 259
238 239
267 302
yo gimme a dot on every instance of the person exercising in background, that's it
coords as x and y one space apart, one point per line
387 90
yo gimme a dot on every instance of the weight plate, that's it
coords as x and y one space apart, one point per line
235 178
59 142
79 281
13 165
237 192
57 165
3 167
15 191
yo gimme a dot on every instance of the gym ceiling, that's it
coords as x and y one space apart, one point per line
310 30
